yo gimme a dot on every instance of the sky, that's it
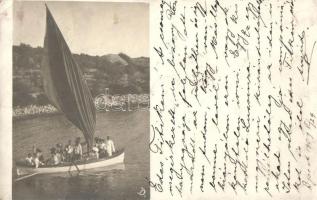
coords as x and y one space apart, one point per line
94 28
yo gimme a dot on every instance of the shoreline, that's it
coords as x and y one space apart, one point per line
103 103
32 116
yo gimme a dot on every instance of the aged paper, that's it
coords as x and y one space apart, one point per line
233 87
5 98
101 48
233 109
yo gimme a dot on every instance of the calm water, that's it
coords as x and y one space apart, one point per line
129 130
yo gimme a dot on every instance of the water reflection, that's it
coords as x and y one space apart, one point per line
115 183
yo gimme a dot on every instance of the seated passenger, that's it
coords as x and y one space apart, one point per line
37 162
59 152
59 158
40 154
102 144
29 160
102 148
54 160
69 151
95 151
78 150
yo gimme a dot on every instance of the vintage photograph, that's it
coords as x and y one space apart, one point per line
81 100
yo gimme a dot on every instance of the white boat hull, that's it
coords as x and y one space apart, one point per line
83 166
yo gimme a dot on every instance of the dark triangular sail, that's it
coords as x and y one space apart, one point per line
63 81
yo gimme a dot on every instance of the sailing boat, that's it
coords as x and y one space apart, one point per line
67 90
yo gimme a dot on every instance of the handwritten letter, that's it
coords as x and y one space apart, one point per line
233 99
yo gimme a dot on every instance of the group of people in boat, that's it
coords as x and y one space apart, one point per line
70 153
103 148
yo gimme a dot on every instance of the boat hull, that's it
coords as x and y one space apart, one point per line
21 170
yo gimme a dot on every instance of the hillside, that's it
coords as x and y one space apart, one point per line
119 73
